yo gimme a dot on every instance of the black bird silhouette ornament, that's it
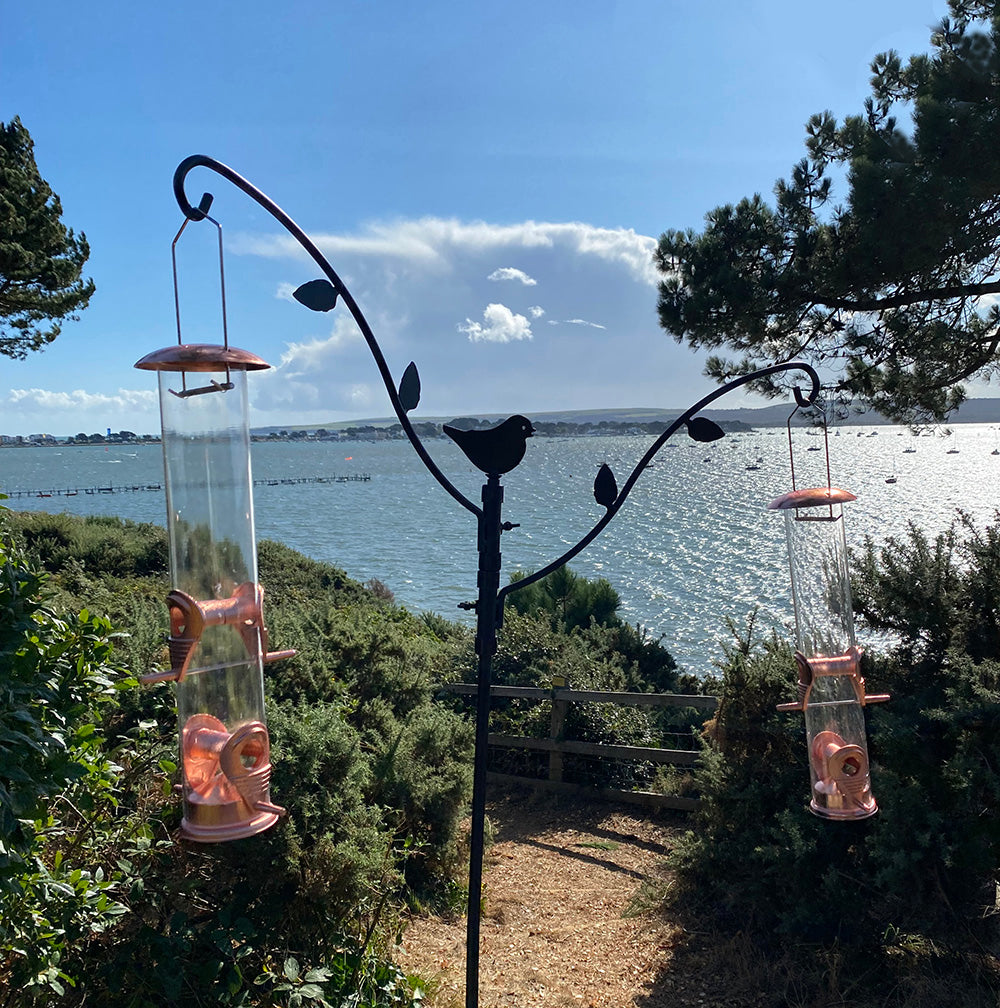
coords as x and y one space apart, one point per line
605 487
495 450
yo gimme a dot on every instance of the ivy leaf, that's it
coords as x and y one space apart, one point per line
605 487
409 388
703 429
319 295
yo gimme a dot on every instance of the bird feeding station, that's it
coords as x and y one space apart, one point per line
494 452
831 691
218 641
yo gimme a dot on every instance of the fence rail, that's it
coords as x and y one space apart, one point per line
556 746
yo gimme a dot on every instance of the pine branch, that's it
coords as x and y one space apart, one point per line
901 300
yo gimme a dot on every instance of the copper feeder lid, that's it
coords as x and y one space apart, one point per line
201 357
812 497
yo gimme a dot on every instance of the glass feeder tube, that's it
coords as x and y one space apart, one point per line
218 641
831 691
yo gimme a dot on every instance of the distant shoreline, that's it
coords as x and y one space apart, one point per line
567 423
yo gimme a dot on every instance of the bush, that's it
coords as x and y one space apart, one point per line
564 626
570 601
99 891
573 605
61 824
115 547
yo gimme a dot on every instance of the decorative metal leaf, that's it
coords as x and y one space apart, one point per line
605 487
703 429
409 388
319 295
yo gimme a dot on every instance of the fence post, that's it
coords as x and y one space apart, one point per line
559 708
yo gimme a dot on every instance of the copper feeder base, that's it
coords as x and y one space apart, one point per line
218 823
856 812
227 777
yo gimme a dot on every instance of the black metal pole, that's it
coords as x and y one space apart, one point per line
486 645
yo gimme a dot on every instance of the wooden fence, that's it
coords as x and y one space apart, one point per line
557 747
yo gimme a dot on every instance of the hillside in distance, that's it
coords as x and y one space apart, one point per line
972 411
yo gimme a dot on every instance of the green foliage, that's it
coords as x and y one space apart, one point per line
374 667
41 260
374 770
374 775
577 606
888 286
288 574
114 567
934 596
571 601
649 666
928 862
98 543
382 984
58 784
755 857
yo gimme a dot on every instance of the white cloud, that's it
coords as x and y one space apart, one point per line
36 400
439 244
315 354
511 273
360 396
279 395
307 372
577 321
423 285
501 326
308 357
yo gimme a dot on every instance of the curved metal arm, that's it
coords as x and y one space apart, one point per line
615 506
200 212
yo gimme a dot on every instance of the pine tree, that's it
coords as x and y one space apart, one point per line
41 260
896 288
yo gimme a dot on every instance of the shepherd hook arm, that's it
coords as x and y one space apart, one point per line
614 506
197 213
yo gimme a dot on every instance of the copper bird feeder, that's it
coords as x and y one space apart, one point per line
831 691
218 641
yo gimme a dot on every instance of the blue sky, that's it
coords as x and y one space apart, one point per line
489 180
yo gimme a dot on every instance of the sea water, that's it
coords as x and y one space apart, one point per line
692 547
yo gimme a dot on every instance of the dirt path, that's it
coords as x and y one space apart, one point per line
562 924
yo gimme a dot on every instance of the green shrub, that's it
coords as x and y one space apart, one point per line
61 824
101 893
286 573
110 545
531 652
565 626
573 605
570 601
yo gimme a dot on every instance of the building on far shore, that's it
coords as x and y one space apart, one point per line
50 440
